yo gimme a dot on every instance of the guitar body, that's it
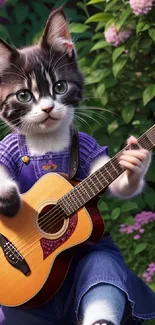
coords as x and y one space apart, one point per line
35 257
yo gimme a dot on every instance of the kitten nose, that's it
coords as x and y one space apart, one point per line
47 109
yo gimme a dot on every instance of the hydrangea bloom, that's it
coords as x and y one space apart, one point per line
116 38
2 2
141 7
141 219
149 273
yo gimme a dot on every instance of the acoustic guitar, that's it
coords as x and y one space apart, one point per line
37 245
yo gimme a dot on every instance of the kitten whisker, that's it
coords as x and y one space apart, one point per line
105 119
99 108
92 118
63 66
16 74
53 68
22 72
80 119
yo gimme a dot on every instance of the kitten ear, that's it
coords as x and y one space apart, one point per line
56 33
6 53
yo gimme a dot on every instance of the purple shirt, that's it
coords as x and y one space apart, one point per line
13 148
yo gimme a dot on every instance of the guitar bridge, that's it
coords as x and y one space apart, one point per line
13 256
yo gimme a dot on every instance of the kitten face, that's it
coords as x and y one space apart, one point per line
39 85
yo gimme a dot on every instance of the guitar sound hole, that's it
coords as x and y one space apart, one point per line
49 219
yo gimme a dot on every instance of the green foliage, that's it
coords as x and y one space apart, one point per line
119 92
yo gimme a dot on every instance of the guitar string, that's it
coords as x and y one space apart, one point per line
33 243
33 248
53 218
57 208
45 223
63 215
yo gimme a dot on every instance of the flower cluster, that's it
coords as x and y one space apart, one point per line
149 273
116 38
2 2
141 7
140 220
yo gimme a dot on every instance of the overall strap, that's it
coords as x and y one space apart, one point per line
22 145
74 153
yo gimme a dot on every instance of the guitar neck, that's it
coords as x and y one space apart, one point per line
103 177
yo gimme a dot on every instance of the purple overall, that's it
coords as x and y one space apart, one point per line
101 263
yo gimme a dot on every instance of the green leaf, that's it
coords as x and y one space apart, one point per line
112 127
77 28
40 9
3 12
149 198
97 36
145 43
92 2
109 23
118 66
128 113
103 206
152 33
129 220
106 216
117 52
95 77
115 213
21 12
125 14
110 82
104 99
140 248
99 45
141 26
148 94
99 17
110 5
4 32
129 206
100 90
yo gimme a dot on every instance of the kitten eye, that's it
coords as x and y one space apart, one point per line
24 96
60 87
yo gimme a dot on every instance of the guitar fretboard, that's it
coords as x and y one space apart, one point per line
103 177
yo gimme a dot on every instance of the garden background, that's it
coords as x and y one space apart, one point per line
115 42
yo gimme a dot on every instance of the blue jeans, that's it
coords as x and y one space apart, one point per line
107 296
112 296
101 273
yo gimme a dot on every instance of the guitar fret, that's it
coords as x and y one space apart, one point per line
113 170
93 186
86 192
109 176
64 206
100 185
102 177
146 142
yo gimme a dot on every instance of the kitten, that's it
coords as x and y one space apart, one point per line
39 88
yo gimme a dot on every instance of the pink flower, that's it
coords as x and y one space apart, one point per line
136 237
2 2
141 219
149 273
116 38
141 7
142 230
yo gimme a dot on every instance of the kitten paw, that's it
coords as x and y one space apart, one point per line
10 201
